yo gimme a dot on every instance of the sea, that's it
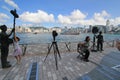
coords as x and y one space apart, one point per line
30 38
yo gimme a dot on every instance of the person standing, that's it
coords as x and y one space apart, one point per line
5 41
100 41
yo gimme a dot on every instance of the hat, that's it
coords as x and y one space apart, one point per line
3 27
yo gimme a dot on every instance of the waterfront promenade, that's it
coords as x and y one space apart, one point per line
102 65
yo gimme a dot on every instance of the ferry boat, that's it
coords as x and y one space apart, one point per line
70 32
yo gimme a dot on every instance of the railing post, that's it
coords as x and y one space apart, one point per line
67 45
24 47
113 43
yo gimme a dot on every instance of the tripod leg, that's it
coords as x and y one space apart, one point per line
48 52
58 50
55 55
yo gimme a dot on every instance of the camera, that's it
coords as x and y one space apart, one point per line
13 12
54 34
95 30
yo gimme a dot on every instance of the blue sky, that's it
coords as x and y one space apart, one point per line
50 13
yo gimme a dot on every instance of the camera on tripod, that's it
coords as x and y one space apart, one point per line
55 48
95 30
54 34
13 12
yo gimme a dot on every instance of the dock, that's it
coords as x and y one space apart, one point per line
103 65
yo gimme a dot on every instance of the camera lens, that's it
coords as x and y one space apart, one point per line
94 30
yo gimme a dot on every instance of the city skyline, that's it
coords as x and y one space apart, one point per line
50 13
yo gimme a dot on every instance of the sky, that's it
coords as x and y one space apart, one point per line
59 13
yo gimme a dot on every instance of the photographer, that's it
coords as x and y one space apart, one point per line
100 41
5 41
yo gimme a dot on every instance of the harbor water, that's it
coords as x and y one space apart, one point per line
30 38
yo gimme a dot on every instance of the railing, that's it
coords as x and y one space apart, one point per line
42 48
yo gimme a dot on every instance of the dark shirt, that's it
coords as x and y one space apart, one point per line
100 38
4 39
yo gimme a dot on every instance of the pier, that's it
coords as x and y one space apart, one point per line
103 65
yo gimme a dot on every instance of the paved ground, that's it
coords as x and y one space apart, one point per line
69 67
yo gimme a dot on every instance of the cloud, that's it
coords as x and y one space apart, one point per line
64 19
11 3
77 14
75 17
100 18
6 8
3 17
115 21
79 18
38 17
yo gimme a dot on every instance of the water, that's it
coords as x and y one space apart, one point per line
30 38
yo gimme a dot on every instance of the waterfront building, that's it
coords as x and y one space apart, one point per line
108 25
57 29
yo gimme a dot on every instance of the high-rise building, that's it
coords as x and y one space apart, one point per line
108 25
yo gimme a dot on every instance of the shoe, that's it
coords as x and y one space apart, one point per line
8 62
86 60
6 66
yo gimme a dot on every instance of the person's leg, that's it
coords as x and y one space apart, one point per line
102 46
98 45
87 53
17 59
3 57
19 56
7 51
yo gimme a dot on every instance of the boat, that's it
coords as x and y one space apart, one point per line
70 32
35 33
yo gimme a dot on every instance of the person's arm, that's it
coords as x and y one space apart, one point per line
11 32
15 38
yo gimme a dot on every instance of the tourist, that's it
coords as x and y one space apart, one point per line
100 41
5 41
86 50
17 50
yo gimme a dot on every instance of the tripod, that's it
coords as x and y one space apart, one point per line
56 52
94 45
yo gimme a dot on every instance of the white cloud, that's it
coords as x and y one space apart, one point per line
3 17
77 17
12 3
64 19
6 8
77 14
38 17
115 21
100 18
